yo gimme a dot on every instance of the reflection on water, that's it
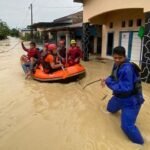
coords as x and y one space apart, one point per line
54 116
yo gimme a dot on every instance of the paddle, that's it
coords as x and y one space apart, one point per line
62 67
65 71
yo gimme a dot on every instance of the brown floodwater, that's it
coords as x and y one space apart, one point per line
57 116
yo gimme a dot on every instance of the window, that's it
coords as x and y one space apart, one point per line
111 25
139 22
130 23
123 24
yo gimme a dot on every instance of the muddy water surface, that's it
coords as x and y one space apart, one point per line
54 116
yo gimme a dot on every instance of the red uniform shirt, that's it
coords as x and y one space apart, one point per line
33 52
74 55
74 52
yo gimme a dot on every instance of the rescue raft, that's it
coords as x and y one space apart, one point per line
62 74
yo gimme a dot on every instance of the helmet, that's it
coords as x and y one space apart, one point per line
52 47
73 42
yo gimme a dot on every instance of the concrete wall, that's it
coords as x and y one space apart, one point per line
92 8
116 18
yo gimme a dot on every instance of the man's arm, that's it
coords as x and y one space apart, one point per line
125 82
55 66
24 48
79 54
50 59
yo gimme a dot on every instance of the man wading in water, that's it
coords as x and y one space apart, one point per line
125 83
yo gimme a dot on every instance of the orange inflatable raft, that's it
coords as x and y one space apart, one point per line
62 74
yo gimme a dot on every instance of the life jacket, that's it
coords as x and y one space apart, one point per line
46 65
137 84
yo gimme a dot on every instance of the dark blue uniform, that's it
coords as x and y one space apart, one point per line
127 97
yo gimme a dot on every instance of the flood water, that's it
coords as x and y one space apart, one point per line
56 116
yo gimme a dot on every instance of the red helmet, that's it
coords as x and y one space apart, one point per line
52 47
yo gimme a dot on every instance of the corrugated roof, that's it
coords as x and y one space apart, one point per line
64 27
47 24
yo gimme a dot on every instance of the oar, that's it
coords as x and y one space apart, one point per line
64 70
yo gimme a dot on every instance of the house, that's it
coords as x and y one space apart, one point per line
72 29
60 29
121 21
67 28
42 30
25 31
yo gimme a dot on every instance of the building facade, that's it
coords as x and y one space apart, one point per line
121 22
67 28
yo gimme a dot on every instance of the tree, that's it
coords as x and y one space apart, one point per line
4 30
14 32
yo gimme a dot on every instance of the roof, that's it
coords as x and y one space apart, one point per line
65 27
71 21
47 24
23 30
72 18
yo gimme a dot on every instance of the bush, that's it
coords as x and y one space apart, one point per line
14 32
4 30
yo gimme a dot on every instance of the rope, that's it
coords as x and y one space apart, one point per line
10 48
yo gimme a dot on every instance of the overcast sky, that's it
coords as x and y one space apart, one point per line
16 13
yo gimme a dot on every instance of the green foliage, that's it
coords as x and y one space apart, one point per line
4 30
14 32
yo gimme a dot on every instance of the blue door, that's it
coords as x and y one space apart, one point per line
126 41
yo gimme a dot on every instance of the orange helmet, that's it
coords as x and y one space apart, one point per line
52 47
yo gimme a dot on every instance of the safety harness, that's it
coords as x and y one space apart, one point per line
46 65
137 85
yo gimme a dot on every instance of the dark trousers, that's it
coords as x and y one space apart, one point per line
128 118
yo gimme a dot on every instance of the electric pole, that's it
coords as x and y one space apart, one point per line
31 8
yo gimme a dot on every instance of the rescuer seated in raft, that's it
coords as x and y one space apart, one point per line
61 49
49 59
74 54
